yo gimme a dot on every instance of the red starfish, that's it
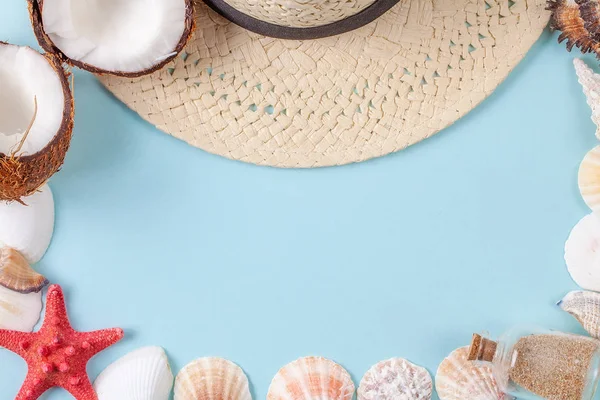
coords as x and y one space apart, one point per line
57 355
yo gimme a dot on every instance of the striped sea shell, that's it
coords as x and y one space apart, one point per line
212 378
585 307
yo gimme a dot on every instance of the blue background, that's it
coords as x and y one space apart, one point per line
405 255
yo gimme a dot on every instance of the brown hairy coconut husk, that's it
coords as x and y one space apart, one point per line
30 155
99 44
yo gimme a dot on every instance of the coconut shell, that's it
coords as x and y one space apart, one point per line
35 13
21 176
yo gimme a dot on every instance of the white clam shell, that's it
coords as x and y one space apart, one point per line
311 378
28 228
589 179
143 374
585 307
395 379
212 378
582 252
590 82
460 379
18 311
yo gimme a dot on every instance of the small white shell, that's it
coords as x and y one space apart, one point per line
143 374
28 228
18 311
395 379
212 378
590 82
589 179
582 253
459 379
585 307
311 378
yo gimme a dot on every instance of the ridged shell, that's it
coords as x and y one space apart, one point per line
589 179
16 273
28 228
590 81
143 374
311 378
582 252
459 379
212 378
395 379
566 17
18 311
585 307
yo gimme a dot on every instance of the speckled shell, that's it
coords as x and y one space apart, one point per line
395 379
590 82
582 252
589 179
18 311
16 273
311 378
585 307
212 378
459 379
28 228
143 374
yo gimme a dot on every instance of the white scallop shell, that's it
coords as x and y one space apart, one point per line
582 252
143 374
585 307
18 311
590 82
28 228
459 379
395 379
311 378
589 179
212 378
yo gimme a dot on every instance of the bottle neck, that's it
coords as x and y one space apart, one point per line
482 349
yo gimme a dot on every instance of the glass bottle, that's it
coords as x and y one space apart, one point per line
534 363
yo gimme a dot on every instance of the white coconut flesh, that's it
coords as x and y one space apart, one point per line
26 77
115 35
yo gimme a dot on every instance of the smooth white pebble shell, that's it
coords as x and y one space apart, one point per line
582 252
18 311
395 379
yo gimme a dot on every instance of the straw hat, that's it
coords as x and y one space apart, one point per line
366 93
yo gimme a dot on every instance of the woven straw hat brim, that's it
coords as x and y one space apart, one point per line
348 98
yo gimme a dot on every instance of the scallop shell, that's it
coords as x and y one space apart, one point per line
395 379
16 273
590 82
18 311
566 17
212 378
143 374
585 307
582 252
28 228
589 179
459 379
311 378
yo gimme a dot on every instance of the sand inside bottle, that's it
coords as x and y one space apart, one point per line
554 367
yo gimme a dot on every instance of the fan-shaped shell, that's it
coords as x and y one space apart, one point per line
589 179
16 273
582 252
28 227
311 378
459 379
212 378
18 311
395 379
585 307
143 374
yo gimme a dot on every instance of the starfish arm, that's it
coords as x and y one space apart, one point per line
15 341
81 388
100 340
56 310
33 387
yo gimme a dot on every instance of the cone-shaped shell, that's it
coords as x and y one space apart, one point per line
28 227
459 379
143 374
585 307
590 82
311 378
23 174
582 252
16 273
18 311
212 378
395 379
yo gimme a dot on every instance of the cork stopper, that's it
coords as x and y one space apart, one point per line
482 349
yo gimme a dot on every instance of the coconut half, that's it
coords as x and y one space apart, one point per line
36 119
127 38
